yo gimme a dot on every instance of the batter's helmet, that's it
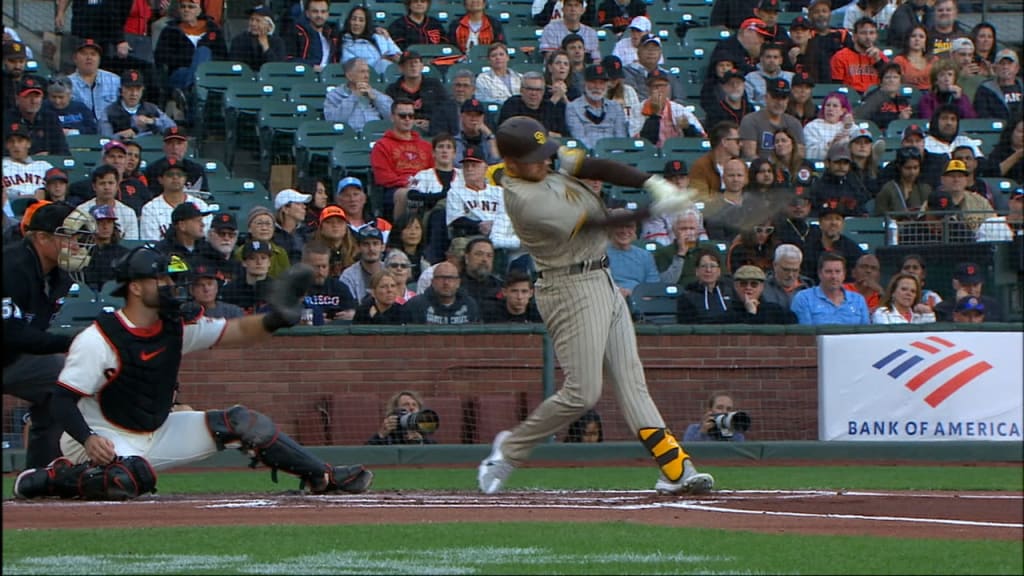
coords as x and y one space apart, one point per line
525 139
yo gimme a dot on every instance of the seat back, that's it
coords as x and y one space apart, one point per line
655 302
286 74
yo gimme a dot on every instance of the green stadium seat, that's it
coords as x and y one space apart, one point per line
314 141
284 75
655 302
211 82
625 149
277 123
243 100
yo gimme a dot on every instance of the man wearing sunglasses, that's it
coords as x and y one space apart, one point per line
399 154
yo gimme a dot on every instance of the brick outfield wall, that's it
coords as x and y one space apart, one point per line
332 388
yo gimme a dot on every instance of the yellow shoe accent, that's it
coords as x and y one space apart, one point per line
666 451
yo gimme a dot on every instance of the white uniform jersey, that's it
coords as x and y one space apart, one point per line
156 217
487 204
127 221
22 179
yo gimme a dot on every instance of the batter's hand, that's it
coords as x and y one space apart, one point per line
668 198
570 160
100 450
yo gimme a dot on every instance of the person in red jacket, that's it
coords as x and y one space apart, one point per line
399 154
858 67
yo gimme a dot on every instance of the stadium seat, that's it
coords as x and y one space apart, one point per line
711 33
314 141
306 91
866 231
277 124
625 149
982 125
81 311
240 204
151 143
351 156
86 142
655 302
682 144
896 127
243 100
375 129
285 74
212 80
332 74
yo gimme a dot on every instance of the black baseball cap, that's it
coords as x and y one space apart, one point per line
939 201
732 74
175 133
132 78
595 72
56 174
473 105
801 22
49 217
656 75
17 129
913 130
525 139
30 84
965 273
224 221
409 55
830 207
172 164
473 154
613 65
802 79
255 247
90 43
369 233
771 5
14 50
777 86
675 168
186 211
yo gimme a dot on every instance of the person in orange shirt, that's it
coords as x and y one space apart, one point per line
857 67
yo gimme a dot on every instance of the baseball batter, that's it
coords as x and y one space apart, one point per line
119 381
562 223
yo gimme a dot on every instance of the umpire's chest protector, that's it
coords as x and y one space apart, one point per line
140 395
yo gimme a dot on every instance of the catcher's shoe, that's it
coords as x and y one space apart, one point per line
353 479
495 470
39 482
692 482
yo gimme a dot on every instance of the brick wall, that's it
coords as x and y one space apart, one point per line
332 388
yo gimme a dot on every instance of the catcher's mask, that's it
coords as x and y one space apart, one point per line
149 262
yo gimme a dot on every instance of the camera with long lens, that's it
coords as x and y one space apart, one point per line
729 423
425 421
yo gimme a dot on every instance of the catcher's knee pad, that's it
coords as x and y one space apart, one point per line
666 451
125 478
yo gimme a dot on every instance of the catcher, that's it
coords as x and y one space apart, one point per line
118 383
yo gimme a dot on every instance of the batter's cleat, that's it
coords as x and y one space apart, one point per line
692 482
39 482
495 470
351 479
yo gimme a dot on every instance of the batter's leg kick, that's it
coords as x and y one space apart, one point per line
124 478
262 440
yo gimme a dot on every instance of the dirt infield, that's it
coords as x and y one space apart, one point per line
970 516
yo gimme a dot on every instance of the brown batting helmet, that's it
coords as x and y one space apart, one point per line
524 139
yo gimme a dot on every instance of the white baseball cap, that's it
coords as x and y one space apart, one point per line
641 23
961 44
289 195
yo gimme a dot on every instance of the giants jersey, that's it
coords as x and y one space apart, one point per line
23 179
487 204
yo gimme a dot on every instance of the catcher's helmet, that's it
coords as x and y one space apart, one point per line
145 262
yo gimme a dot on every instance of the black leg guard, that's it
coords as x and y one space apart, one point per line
262 440
124 478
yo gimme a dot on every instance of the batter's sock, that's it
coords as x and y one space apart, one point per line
666 450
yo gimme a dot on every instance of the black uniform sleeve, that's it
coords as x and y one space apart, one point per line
65 410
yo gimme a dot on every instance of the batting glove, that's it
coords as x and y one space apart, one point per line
570 160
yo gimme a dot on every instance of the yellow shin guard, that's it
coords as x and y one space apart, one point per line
666 451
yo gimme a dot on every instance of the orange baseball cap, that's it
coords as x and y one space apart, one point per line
332 212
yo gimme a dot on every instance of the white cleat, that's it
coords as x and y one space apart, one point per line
494 470
692 482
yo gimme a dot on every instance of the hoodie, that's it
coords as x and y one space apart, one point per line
395 160
700 305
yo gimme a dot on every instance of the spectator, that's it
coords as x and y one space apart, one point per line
435 111
130 117
835 121
329 298
531 102
475 134
371 250
43 127
289 223
753 246
665 118
748 307
74 116
515 303
443 303
902 303
319 189
837 187
463 86
617 14
906 17
133 163
790 166
382 305
204 288
475 27
906 193
867 280
768 68
968 281
829 302
454 255
878 11
945 92
791 225
974 209
800 34
97 19
22 175
390 432
216 251
966 154
706 173
826 42
969 310
864 160
258 44
314 41
677 262
407 237
129 190
757 129
1007 159
946 28
107 249
398 263
352 198
374 46
648 57
156 214
592 117
768 12
744 47
249 292
630 265
184 44
785 279
478 279
417 26
587 429
626 47
356 102
475 207
500 82
730 104
762 192
261 227
829 238
711 88
56 185
914 60
562 83
431 185
986 46
175 150
15 58
706 429
570 23
801 102
104 182
185 234
887 102
1002 97
659 229
707 300
970 73
725 213
90 85
398 155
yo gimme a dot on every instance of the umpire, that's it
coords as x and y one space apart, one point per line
36 280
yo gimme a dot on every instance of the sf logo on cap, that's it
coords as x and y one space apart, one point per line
540 137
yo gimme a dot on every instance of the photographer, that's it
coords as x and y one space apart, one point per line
720 403
391 431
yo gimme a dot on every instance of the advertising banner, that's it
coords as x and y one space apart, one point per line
920 386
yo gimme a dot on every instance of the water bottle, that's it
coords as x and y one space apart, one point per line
892 233
307 317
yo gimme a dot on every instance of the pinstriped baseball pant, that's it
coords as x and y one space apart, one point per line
592 332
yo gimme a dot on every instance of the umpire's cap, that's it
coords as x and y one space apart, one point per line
524 139
144 262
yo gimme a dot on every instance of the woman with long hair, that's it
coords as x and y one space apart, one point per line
559 81
500 82
390 432
133 165
902 304
417 26
761 185
359 40
886 103
407 236
835 120
587 429
1007 158
945 91
906 193
755 245
334 232
381 306
915 61
914 265
985 46
319 189
624 94
786 158
801 102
